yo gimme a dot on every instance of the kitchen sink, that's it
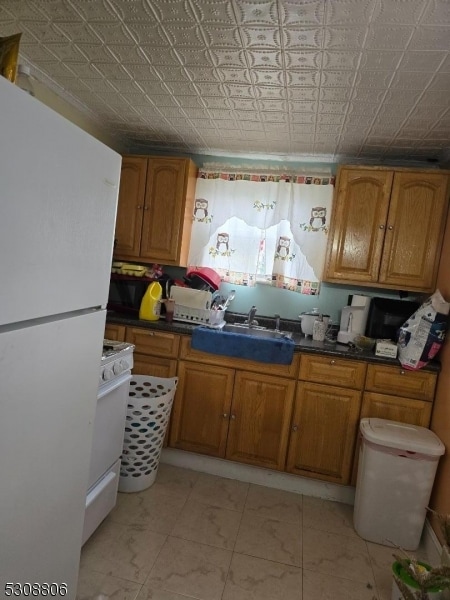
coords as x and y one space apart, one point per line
256 331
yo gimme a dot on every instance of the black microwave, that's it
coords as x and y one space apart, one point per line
387 315
126 293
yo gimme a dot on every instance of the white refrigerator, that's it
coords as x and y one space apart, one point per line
58 201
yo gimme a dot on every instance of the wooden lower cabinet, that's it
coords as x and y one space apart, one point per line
115 332
324 429
201 410
396 394
259 421
237 415
155 352
395 408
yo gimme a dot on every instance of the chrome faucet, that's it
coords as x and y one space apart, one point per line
250 321
277 322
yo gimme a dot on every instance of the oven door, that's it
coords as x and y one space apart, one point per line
109 426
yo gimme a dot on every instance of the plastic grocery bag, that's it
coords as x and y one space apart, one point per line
423 334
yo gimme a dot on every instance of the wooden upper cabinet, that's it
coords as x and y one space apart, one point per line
358 225
130 207
156 200
387 227
415 230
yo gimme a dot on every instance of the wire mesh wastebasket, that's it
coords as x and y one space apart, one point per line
149 404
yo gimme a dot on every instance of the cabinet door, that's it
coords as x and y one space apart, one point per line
115 332
324 429
169 201
155 366
130 207
415 230
260 417
358 226
394 408
201 410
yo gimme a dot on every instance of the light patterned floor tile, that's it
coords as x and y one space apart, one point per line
257 579
339 555
175 480
275 504
148 592
219 491
190 568
270 539
325 515
156 510
208 525
317 586
93 586
129 554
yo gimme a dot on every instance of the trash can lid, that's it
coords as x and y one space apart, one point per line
402 436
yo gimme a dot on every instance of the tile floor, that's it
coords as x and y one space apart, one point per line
193 535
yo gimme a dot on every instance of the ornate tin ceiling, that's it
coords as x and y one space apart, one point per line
294 79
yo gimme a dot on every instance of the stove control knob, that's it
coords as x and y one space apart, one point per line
107 374
117 368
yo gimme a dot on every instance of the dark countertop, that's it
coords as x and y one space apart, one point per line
302 344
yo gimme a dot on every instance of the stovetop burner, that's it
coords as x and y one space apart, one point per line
112 347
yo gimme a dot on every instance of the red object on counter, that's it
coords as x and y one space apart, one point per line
208 275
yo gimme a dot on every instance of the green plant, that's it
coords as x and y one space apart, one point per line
427 579
444 522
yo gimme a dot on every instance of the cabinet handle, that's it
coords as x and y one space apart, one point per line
332 362
145 207
402 372
139 207
390 227
294 427
381 226
225 415
233 417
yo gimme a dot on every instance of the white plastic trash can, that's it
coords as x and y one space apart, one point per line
396 470
149 405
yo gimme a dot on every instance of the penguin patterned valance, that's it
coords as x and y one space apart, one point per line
267 228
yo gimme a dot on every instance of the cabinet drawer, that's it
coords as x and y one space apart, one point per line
333 371
401 382
159 343
243 364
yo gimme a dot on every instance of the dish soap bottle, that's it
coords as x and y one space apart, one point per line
150 308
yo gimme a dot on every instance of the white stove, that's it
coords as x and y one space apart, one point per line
109 429
117 357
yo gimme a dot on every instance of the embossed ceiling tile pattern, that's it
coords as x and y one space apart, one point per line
349 11
387 37
429 38
340 78
421 61
373 60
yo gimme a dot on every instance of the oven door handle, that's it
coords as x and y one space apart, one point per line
98 489
110 386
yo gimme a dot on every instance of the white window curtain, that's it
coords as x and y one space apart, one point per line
254 228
